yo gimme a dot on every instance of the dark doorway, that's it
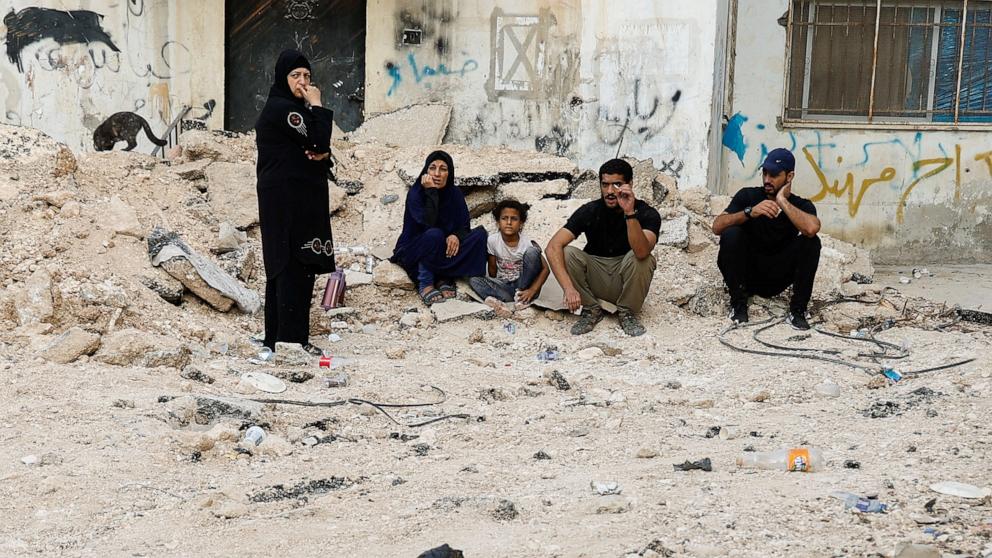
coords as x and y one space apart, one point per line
330 33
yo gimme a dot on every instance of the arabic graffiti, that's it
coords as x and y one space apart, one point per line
425 74
642 118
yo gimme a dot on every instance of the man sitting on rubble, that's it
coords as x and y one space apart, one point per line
616 264
768 241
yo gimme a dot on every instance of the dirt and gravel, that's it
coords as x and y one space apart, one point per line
123 413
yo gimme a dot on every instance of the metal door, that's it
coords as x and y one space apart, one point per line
330 33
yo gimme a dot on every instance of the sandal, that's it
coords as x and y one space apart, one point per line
448 290
431 296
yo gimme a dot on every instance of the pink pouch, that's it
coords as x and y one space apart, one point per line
334 291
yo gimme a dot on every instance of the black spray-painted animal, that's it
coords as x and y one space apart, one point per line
122 126
65 27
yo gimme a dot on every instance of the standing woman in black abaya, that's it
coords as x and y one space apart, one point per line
293 135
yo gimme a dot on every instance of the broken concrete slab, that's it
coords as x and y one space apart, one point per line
674 232
699 239
480 201
490 165
390 275
357 278
293 354
200 275
240 263
70 345
133 347
202 409
718 204
696 199
232 193
411 126
122 219
453 309
839 261
530 192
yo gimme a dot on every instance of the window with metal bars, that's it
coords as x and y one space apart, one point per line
898 62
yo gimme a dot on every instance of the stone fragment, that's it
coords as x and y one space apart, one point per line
718 204
646 453
397 353
352 187
696 199
132 347
293 354
910 550
661 185
201 276
699 239
480 201
674 232
389 198
65 162
390 275
590 353
71 345
454 309
193 373
611 505
122 219
761 396
357 278
33 302
229 238
411 126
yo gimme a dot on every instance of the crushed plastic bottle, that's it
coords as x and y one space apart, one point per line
332 362
892 374
338 380
254 437
804 460
548 354
860 503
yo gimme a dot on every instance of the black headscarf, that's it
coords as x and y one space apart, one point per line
289 60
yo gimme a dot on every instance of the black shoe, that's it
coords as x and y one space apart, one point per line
629 323
738 312
587 320
797 319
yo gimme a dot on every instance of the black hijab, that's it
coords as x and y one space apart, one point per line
289 60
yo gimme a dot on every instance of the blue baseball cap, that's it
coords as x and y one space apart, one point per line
779 160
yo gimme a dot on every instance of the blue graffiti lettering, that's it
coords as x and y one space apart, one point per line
420 73
733 136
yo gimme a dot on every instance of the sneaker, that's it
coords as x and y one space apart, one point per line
797 319
588 320
629 323
738 312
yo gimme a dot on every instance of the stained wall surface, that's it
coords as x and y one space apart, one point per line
69 66
909 195
586 80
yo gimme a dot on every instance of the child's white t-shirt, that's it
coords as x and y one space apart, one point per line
509 259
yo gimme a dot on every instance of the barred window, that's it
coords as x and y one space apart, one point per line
882 61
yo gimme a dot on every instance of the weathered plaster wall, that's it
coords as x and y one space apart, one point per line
66 72
910 196
580 79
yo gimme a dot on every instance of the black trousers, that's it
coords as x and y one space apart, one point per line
287 306
751 268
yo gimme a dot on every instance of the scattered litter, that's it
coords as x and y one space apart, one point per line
892 374
300 490
606 488
334 338
253 437
905 280
264 382
510 328
960 489
701 465
548 354
804 460
860 503
332 362
852 464
336 381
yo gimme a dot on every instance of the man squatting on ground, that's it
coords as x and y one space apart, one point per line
616 264
768 241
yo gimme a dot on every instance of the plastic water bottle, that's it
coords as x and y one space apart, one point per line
860 503
333 362
804 460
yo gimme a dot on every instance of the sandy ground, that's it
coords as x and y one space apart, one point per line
105 457
122 481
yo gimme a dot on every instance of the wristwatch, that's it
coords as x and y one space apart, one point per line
630 217
747 211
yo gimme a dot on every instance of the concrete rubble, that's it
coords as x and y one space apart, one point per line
121 364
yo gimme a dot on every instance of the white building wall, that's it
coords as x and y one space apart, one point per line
596 77
161 56
910 196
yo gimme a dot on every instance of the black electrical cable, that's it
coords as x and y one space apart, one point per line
381 407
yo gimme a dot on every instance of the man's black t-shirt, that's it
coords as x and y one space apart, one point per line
606 229
769 235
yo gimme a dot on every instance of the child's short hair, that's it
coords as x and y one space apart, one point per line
511 203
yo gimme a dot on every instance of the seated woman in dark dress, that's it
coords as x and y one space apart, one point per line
436 245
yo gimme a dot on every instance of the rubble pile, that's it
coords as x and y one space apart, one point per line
77 226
